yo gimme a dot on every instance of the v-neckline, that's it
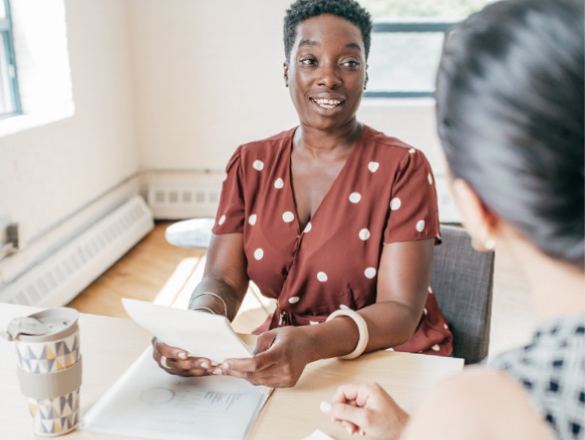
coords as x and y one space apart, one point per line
326 196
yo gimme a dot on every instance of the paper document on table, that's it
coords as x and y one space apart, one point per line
150 403
318 435
201 334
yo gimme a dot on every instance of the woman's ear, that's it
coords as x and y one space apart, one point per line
285 73
366 80
477 219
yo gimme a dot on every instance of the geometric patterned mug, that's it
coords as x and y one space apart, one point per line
49 367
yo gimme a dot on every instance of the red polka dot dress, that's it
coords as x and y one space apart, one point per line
384 194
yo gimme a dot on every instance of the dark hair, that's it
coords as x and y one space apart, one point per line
510 115
302 10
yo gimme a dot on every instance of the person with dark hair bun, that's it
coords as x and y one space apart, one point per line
334 220
510 115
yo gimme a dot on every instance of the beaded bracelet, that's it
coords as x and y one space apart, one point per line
362 329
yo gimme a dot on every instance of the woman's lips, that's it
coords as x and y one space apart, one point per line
327 104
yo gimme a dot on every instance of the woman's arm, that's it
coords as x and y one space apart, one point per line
480 404
221 291
403 280
404 277
225 276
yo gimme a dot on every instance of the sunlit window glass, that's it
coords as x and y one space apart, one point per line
9 98
407 40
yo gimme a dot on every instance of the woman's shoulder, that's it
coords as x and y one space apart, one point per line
267 146
389 145
484 402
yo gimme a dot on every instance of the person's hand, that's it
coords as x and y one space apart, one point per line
366 409
176 361
279 359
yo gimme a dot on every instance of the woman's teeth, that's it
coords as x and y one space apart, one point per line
326 103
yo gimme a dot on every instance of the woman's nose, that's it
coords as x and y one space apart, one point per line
329 77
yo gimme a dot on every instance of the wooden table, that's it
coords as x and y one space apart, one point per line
110 345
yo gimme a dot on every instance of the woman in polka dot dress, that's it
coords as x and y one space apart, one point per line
510 113
331 214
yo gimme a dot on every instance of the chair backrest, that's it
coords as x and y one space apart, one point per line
462 281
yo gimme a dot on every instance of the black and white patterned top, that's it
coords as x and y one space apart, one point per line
552 370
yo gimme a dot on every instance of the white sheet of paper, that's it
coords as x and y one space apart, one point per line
318 435
201 334
147 402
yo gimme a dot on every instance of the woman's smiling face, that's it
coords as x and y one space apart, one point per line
326 72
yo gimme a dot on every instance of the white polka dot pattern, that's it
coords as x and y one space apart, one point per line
308 227
395 203
370 272
436 347
221 220
279 183
425 311
364 234
420 225
258 165
373 166
288 217
313 322
293 299
412 151
252 219
355 197
258 254
322 276
430 177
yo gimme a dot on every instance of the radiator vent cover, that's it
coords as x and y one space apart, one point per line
64 274
193 197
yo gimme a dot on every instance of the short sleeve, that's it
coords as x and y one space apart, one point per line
413 211
231 211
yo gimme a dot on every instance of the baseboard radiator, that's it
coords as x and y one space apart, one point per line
61 276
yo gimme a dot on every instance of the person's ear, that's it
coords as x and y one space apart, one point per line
366 80
477 219
285 73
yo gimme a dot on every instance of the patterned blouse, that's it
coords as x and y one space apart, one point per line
383 194
552 370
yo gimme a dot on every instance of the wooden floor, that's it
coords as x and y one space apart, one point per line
140 274
148 268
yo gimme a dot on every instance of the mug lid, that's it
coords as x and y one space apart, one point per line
43 326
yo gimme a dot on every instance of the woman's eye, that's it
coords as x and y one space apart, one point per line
353 64
308 61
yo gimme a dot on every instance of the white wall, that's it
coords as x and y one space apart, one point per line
208 77
49 172
161 85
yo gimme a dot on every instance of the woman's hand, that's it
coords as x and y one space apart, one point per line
367 409
280 358
176 361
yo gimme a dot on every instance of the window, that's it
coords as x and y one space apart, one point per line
9 98
407 40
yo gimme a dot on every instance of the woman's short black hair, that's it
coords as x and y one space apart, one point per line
510 115
302 10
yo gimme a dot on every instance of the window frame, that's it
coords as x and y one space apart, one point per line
7 32
415 26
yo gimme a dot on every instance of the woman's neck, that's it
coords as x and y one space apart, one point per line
557 287
317 142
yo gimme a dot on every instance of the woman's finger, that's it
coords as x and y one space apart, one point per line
345 412
168 351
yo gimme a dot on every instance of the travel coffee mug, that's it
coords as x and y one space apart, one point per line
49 367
